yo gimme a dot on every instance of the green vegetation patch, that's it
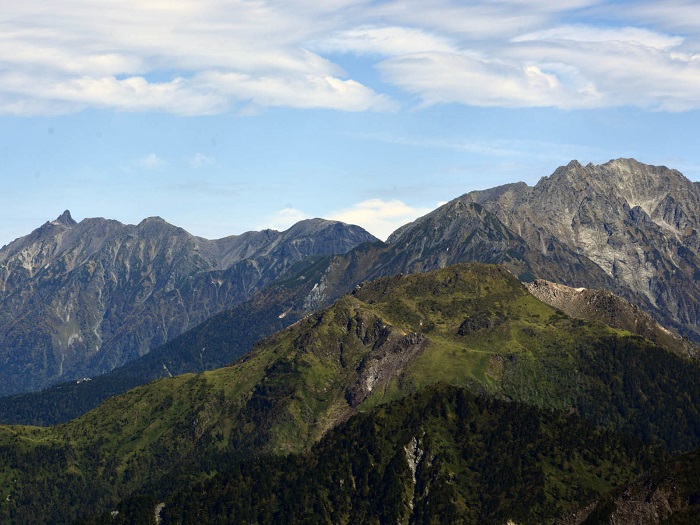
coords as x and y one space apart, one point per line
440 456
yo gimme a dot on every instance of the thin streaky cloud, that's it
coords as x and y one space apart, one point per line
582 33
385 41
673 15
238 57
498 148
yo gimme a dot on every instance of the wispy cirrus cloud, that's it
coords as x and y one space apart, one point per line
385 41
188 57
582 33
210 57
673 15
494 148
568 67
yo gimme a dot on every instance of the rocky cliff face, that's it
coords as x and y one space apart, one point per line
623 226
77 299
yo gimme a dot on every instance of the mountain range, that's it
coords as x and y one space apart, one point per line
390 381
621 226
79 299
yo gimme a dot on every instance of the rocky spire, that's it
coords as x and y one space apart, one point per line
65 219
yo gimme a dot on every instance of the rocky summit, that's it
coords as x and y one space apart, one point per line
78 299
623 226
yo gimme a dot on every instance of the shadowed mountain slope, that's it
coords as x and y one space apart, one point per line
668 495
440 456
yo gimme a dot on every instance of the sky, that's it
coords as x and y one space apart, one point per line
224 116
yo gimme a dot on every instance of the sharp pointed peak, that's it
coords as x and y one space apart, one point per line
65 219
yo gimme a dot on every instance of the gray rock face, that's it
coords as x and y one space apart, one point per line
78 299
623 226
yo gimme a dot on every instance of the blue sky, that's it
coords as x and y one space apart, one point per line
225 116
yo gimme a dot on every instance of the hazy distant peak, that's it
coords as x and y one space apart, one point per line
328 227
507 192
65 219
308 224
154 219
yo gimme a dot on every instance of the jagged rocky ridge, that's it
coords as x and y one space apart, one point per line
636 222
623 226
78 299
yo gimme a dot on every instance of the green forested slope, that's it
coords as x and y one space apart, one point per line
440 456
471 326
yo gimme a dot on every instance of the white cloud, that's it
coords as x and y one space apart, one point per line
386 41
469 79
298 91
677 15
379 217
581 33
468 20
284 219
207 57
566 67
621 73
201 57
151 162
